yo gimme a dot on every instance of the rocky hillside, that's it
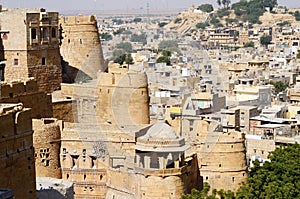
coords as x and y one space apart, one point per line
193 19
187 20
270 19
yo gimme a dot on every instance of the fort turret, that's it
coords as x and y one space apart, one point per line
80 48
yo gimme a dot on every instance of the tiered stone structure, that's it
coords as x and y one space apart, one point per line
46 141
80 48
123 97
27 92
84 160
163 165
160 160
119 97
16 151
32 47
221 156
222 159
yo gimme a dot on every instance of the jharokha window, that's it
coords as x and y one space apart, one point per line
44 33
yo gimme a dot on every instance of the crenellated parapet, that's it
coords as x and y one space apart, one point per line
79 19
16 150
28 93
81 48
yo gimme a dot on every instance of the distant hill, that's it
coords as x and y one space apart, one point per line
253 12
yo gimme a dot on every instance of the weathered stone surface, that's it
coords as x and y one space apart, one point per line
81 48
32 47
27 92
16 151
46 141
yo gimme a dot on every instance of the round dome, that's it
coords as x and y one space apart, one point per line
160 137
160 131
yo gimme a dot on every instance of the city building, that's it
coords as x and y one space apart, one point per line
32 47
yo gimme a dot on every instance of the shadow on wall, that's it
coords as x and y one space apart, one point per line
71 74
52 193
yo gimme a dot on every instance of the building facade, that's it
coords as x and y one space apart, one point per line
32 47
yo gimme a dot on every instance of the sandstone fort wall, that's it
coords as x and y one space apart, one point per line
16 152
80 46
46 141
27 92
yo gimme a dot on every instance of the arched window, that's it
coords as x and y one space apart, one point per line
44 33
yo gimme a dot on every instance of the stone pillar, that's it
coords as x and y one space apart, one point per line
162 164
147 160
176 160
138 160
176 164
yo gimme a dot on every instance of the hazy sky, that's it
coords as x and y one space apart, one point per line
61 5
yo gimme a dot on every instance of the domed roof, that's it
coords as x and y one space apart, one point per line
160 137
160 130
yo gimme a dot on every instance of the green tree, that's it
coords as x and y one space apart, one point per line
279 86
279 178
203 194
223 12
106 36
170 45
126 46
177 20
120 59
139 38
297 15
166 53
249 44
251 10
284 23
225 3
128 59
265 40
164 59
137 20
216 22
118 21
202 25
162 24
206 7
118 52
270 3
298 55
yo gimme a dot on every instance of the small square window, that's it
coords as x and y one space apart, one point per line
16 62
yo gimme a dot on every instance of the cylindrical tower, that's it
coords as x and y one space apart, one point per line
81 48
160 160
223 160
123 97
46 142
